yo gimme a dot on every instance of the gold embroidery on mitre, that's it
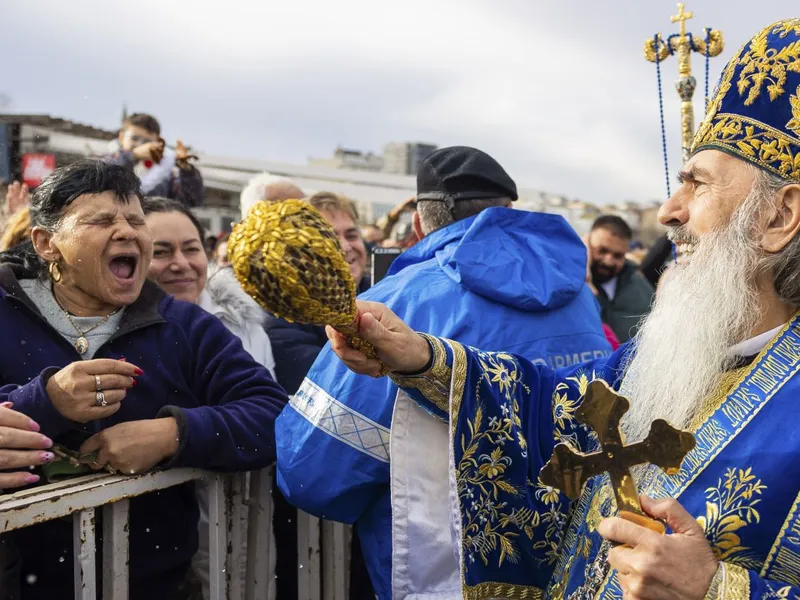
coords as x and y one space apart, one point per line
784 28
761 68
756 142
763 64
794 123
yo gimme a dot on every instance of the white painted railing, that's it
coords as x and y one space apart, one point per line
239 511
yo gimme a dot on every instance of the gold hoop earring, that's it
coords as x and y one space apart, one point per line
54 271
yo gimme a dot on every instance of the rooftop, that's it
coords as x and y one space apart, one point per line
59 124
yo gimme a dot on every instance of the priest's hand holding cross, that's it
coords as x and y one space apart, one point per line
650 565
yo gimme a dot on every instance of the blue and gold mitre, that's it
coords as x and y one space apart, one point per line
755 111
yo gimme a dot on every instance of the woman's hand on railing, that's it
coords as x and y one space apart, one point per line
89 390
21 446
134 447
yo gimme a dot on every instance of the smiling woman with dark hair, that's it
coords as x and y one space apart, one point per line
108 364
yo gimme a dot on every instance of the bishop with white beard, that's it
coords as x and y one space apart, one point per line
718 355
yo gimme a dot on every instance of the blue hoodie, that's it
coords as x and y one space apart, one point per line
505 280
194 370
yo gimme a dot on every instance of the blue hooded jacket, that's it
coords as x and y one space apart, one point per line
504 280
195 370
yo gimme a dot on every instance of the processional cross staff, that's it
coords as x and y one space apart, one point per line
657 50
602 410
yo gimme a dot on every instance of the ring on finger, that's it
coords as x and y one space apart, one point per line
98 386
100 399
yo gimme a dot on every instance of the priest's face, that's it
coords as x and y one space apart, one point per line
706 303
713 185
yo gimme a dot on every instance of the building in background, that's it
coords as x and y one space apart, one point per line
352 173
350 159
403 158
398 158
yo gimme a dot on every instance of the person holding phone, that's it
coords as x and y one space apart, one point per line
483 274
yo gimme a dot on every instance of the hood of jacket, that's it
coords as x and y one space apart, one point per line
531 261
229 301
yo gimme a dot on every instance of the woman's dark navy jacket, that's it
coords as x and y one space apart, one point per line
195 370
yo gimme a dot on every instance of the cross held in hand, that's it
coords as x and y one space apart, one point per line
602 410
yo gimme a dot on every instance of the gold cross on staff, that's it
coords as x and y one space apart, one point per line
681 17
602 410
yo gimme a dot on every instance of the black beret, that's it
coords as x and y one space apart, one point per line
462 173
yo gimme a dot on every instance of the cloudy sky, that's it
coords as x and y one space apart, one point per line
558 91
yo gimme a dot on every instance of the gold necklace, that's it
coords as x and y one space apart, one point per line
82 344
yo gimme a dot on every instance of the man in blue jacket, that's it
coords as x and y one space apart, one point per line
483 274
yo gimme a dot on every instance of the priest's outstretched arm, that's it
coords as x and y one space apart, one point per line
506 415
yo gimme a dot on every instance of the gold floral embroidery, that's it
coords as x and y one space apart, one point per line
759 67
563 409
754 141
434 384
565 404
763 64
718 96
491 525
786 27
601 505
794 122
783 593
480 477
731 506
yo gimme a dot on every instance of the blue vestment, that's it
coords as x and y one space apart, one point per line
504 279
516 538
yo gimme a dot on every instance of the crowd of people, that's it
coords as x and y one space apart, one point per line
129 341
118 273
109 254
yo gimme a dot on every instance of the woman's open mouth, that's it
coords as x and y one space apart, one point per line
123 268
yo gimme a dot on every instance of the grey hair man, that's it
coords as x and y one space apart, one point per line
268 187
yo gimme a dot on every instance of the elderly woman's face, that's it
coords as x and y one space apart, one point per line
180 264
104 247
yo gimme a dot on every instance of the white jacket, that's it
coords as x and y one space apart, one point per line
224 298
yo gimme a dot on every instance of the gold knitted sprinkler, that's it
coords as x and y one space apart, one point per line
287 257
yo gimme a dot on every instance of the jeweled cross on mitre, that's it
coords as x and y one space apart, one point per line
602 410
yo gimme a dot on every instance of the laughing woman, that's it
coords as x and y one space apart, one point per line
105 361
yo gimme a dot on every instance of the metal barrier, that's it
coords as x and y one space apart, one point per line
239 511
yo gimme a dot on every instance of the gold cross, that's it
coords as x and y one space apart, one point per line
681 17
602 410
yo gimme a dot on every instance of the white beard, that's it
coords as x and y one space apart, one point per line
701 309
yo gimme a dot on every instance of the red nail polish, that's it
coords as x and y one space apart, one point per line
134 382
31 478
138 371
